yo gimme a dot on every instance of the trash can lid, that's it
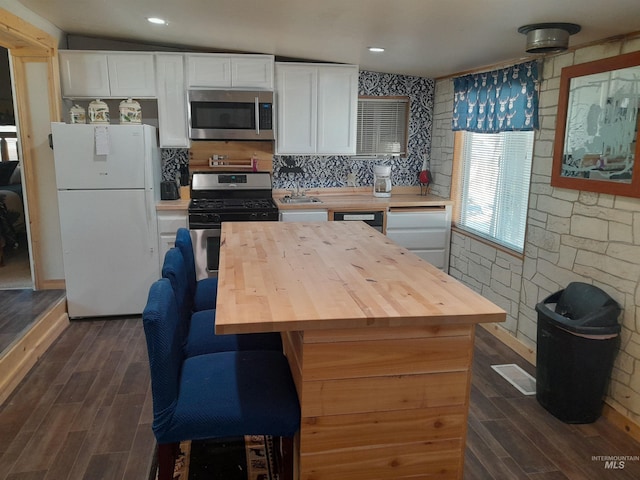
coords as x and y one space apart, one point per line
583 308
579 300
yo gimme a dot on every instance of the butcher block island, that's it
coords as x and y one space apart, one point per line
380 344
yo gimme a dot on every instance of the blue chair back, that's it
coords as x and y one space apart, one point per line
183 243
174 269
164 347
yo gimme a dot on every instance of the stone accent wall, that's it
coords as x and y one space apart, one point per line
494 274
442 139
571 236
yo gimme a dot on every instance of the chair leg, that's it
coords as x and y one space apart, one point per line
286 458
167 454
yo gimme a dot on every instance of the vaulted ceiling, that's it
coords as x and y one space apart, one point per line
429 38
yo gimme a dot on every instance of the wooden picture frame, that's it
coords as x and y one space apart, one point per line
596 144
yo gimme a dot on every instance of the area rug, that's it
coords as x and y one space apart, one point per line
248 458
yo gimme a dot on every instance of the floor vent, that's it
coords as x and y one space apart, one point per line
517 377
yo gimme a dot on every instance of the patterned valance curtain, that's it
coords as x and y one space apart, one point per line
497 101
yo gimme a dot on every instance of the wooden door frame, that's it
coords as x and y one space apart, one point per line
29 44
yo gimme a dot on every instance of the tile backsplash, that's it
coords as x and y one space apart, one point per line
332 171
172 159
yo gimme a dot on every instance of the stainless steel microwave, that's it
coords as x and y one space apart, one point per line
230 115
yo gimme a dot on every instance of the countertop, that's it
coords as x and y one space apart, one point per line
279 276
362 201
173 205
334 199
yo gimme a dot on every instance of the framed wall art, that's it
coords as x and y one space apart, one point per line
596 144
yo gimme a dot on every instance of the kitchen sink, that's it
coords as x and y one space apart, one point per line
301 199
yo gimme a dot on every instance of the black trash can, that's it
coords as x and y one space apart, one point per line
577 343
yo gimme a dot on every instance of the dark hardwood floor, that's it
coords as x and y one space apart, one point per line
84 412
19 309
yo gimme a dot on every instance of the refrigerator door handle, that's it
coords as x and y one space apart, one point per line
147 210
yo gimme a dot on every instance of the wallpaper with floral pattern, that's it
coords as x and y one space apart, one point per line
332 171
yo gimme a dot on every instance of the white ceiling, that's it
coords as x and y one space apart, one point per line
429 38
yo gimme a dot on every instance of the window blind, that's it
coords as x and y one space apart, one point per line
494 194
382 126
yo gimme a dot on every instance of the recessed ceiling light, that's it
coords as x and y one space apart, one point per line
157 21
376 49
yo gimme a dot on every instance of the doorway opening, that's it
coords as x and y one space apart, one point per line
15 269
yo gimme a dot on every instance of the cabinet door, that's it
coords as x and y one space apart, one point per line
425 232
252 71
172 101
131 75
84 74
168 224
208 70
337 110
297 104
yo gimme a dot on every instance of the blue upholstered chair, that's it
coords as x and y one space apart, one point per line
215 395
199 327
204 292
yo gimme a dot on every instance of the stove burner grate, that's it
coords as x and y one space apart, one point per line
220 205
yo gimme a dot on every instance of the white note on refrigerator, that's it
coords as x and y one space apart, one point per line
102 140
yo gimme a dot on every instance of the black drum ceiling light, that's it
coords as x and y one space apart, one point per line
548 37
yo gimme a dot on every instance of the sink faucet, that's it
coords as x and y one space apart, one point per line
299 192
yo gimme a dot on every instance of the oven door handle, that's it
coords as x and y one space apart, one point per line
257 115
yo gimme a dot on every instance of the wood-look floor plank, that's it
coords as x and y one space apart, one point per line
76 389
45 444
473 468
96 394
66 457
117 435
17 410
482 407
28 475
11 454
490 460
550 476
141 455
108 465
89 445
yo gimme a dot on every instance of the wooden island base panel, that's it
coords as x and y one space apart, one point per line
382 403
380 344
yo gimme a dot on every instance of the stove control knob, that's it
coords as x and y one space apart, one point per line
265 215
214 218
253 216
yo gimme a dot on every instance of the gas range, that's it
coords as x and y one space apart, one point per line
230 197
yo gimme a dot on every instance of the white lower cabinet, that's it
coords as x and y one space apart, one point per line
425 231
304 215
169 221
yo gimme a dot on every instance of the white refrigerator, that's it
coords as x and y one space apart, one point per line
108 182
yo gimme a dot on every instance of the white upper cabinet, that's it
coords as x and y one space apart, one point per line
317 109
213 70
172 100
131 75
297 107
107 74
